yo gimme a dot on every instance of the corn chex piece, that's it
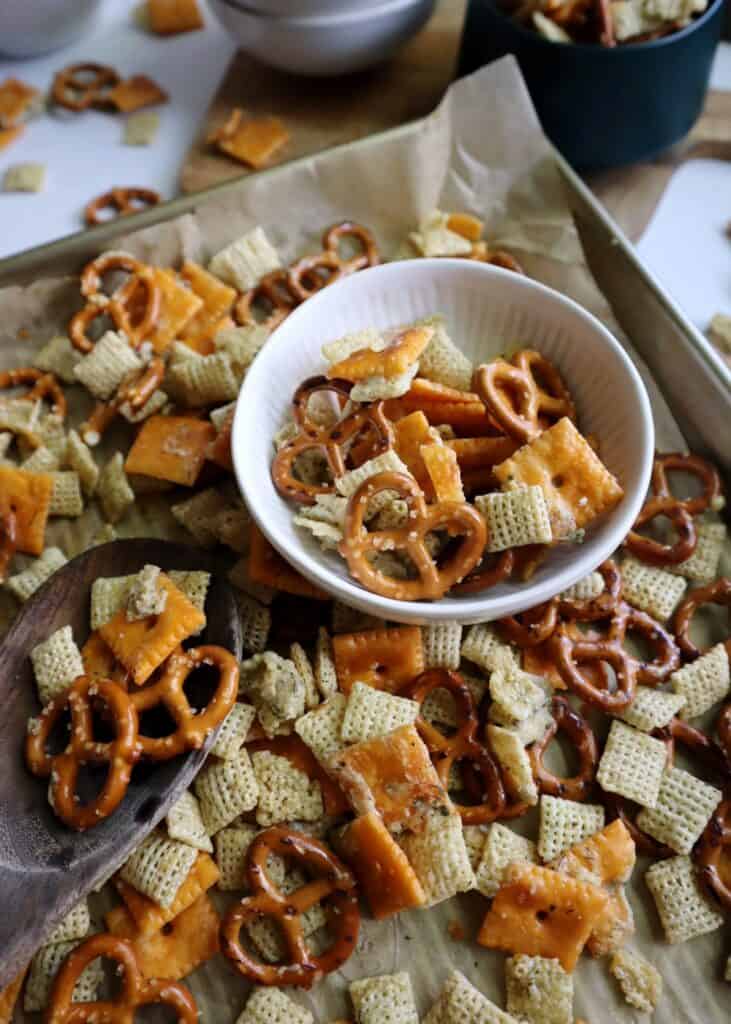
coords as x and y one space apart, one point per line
109 362
387 462
387 999
232 528
435 238
441 645
42 461
298 657
74 926
652 709
515 518
149 916
66 497
502 848
652 590
684 805
244 262
194 583
185 823
19 416
564 823
272 1006
28 177
232 845
461 1003
108 597
24 584
59 357
385 659
56 663
326 676
240 577
475 837
439 857
198 514
704 682
702 566
632 765
43 970
145 596
483 647
370 713
52 433
205 381
234 730
683 908
338 350
372 388
442 361
225 790
82 462
515 696
114 490
158 867
539 991
256 621
285 792
585 589
640 982
514 762
241 345
321 728
273 686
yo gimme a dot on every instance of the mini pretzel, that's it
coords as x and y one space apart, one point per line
654 551
433 580
532 627
327 440
63 768
193 726
80 86
40 385
346 229
480 771
274 294
312 273
715 593
723 728
493 569
123 200
8 539
332 883
713 758
709 850
628 619
93 274
136 392
698 467
581 737
123 308
598 607
136 991
571 652
522 393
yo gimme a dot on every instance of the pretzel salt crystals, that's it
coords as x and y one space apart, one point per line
433 579
332 884
715 593
120 754
581 736
627 619
522 393
136 991
712 494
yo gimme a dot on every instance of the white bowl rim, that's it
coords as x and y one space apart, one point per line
481 607
326 19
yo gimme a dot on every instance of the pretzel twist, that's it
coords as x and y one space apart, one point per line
93 274
119 309
8 539
368 256
432 580
522 394
136 991
719 593
274 294
581 736
656 552
487 573
41 385
716 839
193 726
75 90
312 273
628 619
723 729
712 495
571 652
599 607
332 884
479 768
532 627
120 754
122 200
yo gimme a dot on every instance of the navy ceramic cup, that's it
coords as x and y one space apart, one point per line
603 107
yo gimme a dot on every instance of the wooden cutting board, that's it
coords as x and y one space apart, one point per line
321 113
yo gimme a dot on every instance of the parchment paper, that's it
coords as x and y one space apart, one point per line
482 150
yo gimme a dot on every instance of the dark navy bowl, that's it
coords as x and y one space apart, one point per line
603 107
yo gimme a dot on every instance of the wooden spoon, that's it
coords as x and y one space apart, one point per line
45 867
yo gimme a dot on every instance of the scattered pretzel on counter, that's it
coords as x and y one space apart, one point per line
84 85
121 201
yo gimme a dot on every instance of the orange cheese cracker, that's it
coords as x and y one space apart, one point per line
429 392
576 484
392 776
386 659
482 452
9 996
29 497
178 306
15 100
386 878
8 135
466 225
391 361
541 912
171 448
180 946
467 419
219 450
252 141
410 433
149 916
169 17
217 298
99 660
541 661
135 93
608 856
267 566
144 644
443 469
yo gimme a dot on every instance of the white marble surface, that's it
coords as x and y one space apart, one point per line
84 153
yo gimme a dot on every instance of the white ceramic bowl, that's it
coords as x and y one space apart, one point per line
487 311
32 27
325 44
305 8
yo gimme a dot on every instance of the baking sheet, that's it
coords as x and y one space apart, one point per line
482 150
